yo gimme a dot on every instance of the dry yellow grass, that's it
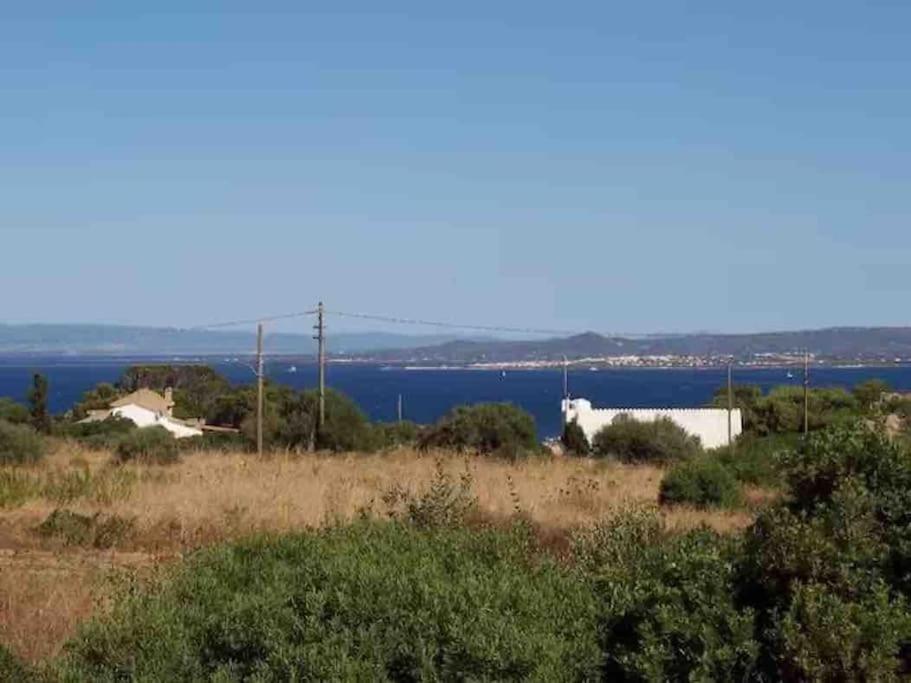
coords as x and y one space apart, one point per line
46 589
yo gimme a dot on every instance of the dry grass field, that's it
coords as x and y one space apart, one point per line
51 581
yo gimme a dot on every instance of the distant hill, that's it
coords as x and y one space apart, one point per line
126 340
844 343
863 344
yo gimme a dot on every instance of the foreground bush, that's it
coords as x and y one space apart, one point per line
368 602
499 428
149 445
666 604
629 440
829 570
703 482
20 443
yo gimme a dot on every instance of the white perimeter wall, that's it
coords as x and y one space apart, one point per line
709 424
142 417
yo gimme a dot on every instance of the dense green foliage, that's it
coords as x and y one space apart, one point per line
574 440
196 387
13 412
754 459
660 441
367 602
667 606
497 428
782 409
102 434
829 570
817 588
20 443
703 482
148 445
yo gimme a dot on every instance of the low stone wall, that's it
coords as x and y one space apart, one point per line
709 424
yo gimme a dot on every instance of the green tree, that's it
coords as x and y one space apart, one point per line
499 428
574 439
659 441
870 394
37 398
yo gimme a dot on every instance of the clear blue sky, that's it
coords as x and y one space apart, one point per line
638 166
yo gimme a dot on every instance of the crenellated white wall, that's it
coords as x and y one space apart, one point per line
709 424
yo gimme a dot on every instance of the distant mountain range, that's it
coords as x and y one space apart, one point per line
862 344
155 341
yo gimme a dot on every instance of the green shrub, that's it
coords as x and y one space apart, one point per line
20 443
149 445
445 503
13 412
367 602
498 428
574 439
101 435
387 435
291 420
824 637
756 459
667 608
660 441
703 482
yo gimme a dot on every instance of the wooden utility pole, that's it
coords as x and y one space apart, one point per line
806 393
259 388
321 339
730 404
565 378
400 409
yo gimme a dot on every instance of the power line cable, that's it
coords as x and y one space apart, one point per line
448 325
252 321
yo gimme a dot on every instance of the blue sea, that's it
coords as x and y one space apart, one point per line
428 394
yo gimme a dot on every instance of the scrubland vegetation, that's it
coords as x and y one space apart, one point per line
462 550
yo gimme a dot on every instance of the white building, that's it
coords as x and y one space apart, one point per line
146 408
709 424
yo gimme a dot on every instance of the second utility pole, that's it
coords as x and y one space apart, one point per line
259 389
321 352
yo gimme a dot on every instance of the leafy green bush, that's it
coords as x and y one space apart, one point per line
660 441
498 428
828 570
149 445
13 412
366 602
667 608
824 637
20 443
101 435
756 459
703 482
291 420
574 439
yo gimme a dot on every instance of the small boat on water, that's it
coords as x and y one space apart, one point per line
292 369
790 375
